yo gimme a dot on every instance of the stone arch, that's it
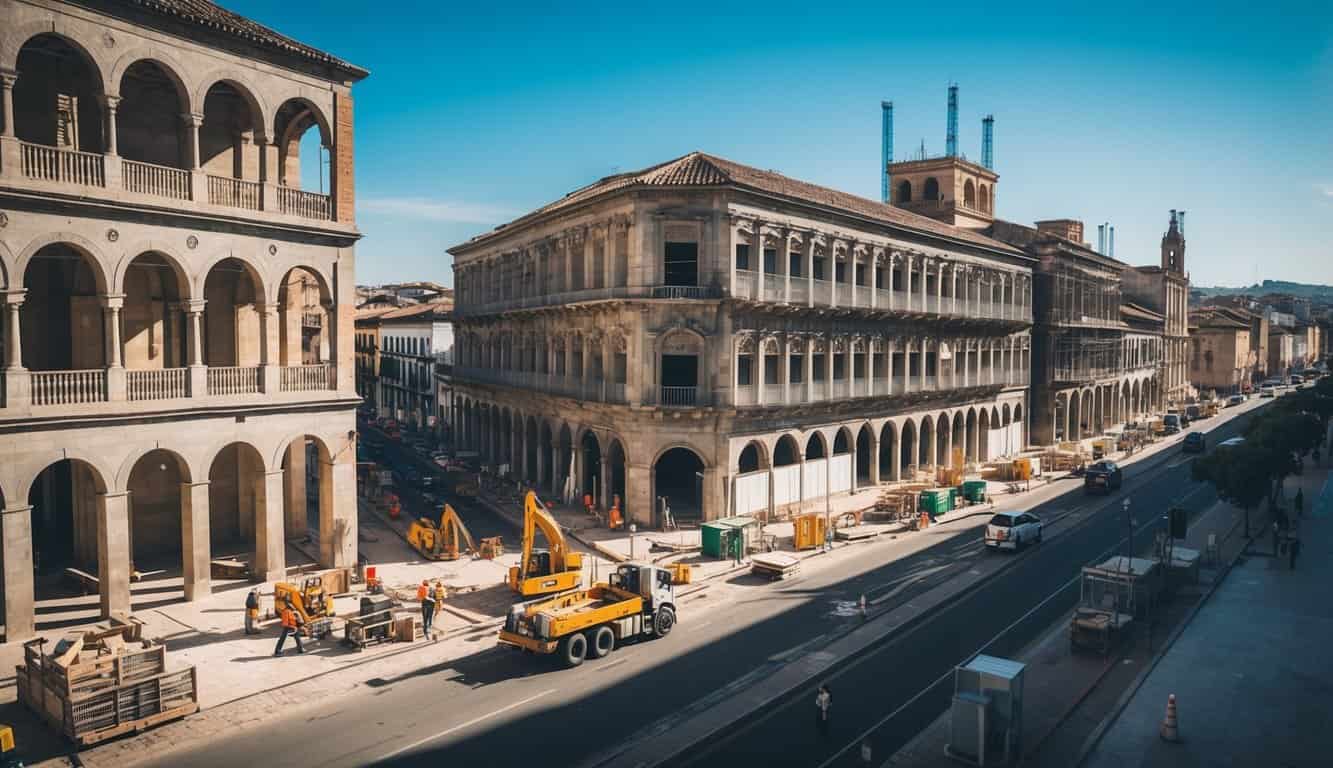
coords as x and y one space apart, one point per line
44 43
240 83
816 447
926 441
170 256
164 61
864 458
958 435
888 447
1005 415
931 190
97 261
122 477
65 493
904 194
256 266
674 471
100 471
786 451
279 450
908 446
983 194
969 194
1022 428
6 266
753 457
316 116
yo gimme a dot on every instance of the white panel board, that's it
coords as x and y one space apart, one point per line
786 484
815 479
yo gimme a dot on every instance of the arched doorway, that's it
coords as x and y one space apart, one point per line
303 140
616 464
814 447
678 478
1075 431
907 451
926 445
155 511
62 321
943 454
888 443
155 327
590 480
984 425
305 328
241 514
66 499
1022 432
971 428
864 454
532 447
152 100
233 334
58 76
1061 416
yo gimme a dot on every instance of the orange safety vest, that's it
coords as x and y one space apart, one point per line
288 618
422 592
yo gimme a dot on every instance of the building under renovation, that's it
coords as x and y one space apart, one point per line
731 341
177 328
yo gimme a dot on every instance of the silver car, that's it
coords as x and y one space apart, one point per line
1012 530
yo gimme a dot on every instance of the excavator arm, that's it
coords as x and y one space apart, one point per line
454 533
536 517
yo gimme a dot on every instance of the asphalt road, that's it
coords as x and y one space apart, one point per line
497 707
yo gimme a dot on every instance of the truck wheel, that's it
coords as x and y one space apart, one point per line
663 622
601 641
572 649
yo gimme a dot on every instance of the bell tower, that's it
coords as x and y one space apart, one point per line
1173 244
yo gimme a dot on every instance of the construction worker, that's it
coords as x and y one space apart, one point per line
291 625
427 606
438 596
823 703
251 611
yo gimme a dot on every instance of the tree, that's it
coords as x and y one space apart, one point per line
1240 474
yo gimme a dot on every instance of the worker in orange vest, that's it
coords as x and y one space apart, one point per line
427 600
290 626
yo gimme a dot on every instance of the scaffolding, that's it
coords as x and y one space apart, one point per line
1084 296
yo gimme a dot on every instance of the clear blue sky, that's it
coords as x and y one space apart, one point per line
478 112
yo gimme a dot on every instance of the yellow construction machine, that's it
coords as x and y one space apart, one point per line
449 540
9 757
311 603
544 571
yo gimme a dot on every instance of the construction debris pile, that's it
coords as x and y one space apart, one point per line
104 683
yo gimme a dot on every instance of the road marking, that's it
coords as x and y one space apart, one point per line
461 726
701 624
610 664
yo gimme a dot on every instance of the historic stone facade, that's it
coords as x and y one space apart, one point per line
735 341
177 324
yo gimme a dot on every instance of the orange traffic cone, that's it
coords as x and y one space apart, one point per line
1170 730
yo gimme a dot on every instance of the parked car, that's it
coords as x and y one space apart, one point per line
1235 400
1193 412
1171 423
1012 529
1267 391
1194 443
1297 380
1104 476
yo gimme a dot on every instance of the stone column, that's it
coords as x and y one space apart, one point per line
113 553
195 546
891 257
604 497
7 81
294 488
338 513
17 378
198 181
870 364
832 276
828 370
925 267
784 371
270 543
112 103
889 345
874 279
922 370
760 380
270 357
784 263
638 495
16 541
809 256
809 377
194 309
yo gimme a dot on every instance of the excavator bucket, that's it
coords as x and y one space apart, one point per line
456 540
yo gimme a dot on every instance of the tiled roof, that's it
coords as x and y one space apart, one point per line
1130 310
1217 320
416 310
698 169
203 13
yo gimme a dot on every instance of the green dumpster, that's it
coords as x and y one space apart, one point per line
711 535
718 538
935 501
974 491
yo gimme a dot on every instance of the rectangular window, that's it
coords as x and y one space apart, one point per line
797 368
620 365
818 364
681 264
839 367
879 279
840 272
742 256
744 370
860 274
819 268
859 366
770 261
794 264
771 370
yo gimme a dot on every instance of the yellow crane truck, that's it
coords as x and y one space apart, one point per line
637 601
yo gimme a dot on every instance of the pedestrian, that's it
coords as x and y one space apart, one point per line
1293 549
823 703
438 597
251 611
291 625
1299 502
863 607
427 606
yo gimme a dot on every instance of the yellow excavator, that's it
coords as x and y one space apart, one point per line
544 571
449 540
310 602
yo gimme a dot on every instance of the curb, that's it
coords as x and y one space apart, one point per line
1111 717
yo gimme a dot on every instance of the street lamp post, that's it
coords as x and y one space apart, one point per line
1129 530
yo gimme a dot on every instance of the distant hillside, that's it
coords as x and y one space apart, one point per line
1322 292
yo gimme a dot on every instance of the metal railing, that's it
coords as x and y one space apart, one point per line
69 387
679 396
233 380
683 292
310 205
306 378
747 284
65 165
235 193
158 180
163 384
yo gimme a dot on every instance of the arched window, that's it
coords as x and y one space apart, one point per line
969 194
985 198
905 192
932 191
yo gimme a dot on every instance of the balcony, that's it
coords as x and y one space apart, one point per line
65 166
772 288
306 378
69 387
164 384
594 390
235 193
496 305
679 397
158 180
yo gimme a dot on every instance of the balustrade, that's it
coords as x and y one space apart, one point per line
68 387
63 165
310 205
163 384
747 284
235 193
679 396
233 380
156 180
306 378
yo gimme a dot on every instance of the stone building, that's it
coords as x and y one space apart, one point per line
1220 355
177 327
408 343
735 341
1165 290
1097 359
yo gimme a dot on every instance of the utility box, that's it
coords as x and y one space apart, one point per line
717 538
808 531
986 725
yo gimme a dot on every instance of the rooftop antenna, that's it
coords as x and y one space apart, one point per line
951 138
886 149
988 141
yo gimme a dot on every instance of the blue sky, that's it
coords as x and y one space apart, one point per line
477 113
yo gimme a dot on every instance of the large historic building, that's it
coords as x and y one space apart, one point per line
1165 289
398 351
735 341
1097 358
177 310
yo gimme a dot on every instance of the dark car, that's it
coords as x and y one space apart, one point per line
1193 413
1104 476
1194 443
1171 423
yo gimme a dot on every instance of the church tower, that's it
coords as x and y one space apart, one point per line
1173 244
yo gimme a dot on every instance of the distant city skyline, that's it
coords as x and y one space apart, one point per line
473 116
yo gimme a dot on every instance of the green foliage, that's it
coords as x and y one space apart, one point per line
1240 474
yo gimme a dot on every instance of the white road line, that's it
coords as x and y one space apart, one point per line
701 624
461 726
615 663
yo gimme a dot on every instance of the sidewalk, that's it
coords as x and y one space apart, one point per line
1252 672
